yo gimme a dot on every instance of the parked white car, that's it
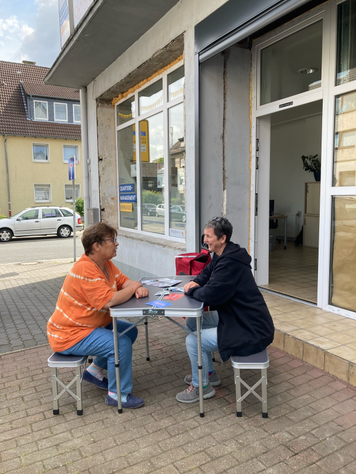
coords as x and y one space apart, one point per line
40 221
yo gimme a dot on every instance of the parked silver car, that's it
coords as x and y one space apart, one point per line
40 221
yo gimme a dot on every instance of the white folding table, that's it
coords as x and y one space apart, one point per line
183 307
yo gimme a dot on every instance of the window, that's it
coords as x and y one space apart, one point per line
42 193
66 213
76 113
68 191
69 151
151 157
29 215
345 139
40 152
346 40
278 80
40 110
48 212
60 112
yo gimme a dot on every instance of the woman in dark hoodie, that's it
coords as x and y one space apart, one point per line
227 285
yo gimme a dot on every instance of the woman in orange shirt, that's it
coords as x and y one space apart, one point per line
81 323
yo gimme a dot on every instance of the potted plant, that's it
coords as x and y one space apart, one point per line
312 164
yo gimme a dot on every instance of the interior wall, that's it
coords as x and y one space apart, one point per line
289 141
225 140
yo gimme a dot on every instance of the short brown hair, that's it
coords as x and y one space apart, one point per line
97 233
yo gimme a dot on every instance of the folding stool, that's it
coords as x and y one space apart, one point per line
67 361
254 361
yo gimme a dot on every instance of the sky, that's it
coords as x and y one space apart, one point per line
29 29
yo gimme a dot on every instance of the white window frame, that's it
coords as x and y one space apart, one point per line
77 121
71 146
71 186
328 93
34 110
40 144
166 105
50 192
54 112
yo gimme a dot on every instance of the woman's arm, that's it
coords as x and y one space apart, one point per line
129 288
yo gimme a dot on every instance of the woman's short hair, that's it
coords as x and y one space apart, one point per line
97 233
221 227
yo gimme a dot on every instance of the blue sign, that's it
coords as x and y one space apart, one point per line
71 168
126 188
159 303
127 197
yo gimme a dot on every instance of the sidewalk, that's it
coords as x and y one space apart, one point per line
312 415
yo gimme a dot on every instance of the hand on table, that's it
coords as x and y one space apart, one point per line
191 284
141 292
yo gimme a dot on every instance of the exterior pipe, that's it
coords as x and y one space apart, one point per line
85 150
7 176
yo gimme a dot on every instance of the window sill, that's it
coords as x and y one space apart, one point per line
181 246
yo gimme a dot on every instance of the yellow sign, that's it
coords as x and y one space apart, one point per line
126 206
144 141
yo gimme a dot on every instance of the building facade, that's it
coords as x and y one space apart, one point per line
210 106
40 130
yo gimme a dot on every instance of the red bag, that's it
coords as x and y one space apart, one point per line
192 263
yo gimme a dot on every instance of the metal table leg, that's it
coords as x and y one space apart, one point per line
117 365
200 367
146 334
285 233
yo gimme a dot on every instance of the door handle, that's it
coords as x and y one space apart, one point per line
37 221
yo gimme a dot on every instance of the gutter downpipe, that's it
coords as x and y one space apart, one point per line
7 176
85 150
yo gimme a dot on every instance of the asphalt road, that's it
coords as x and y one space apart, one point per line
32 249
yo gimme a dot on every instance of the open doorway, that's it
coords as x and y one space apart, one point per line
294 196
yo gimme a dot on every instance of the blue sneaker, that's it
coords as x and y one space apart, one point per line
132 402
103 384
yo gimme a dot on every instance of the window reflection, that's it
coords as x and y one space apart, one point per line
128 178
151 97
152 174
346 41
126 111
177 212
175 83
292 65
345 140
343 262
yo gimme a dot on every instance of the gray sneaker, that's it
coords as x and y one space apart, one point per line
191 394
213 379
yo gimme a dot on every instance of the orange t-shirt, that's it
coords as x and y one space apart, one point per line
79 309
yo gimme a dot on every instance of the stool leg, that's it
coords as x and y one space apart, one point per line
264 393
55 391
238 392
78 373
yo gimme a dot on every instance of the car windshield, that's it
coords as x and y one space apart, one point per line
66 213
15 215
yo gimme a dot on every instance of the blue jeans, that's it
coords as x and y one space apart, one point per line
209 343
100 343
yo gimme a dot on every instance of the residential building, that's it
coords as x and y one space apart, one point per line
248 88
40 130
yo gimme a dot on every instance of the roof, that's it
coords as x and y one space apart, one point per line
44 90
13 116
106 31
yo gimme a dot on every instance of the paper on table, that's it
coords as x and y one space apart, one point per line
160 282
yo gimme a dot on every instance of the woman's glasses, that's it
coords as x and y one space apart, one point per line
113 240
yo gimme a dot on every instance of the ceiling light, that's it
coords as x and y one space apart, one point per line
307 70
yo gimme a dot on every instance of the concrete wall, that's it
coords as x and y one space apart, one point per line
225 140
24 172
107 164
